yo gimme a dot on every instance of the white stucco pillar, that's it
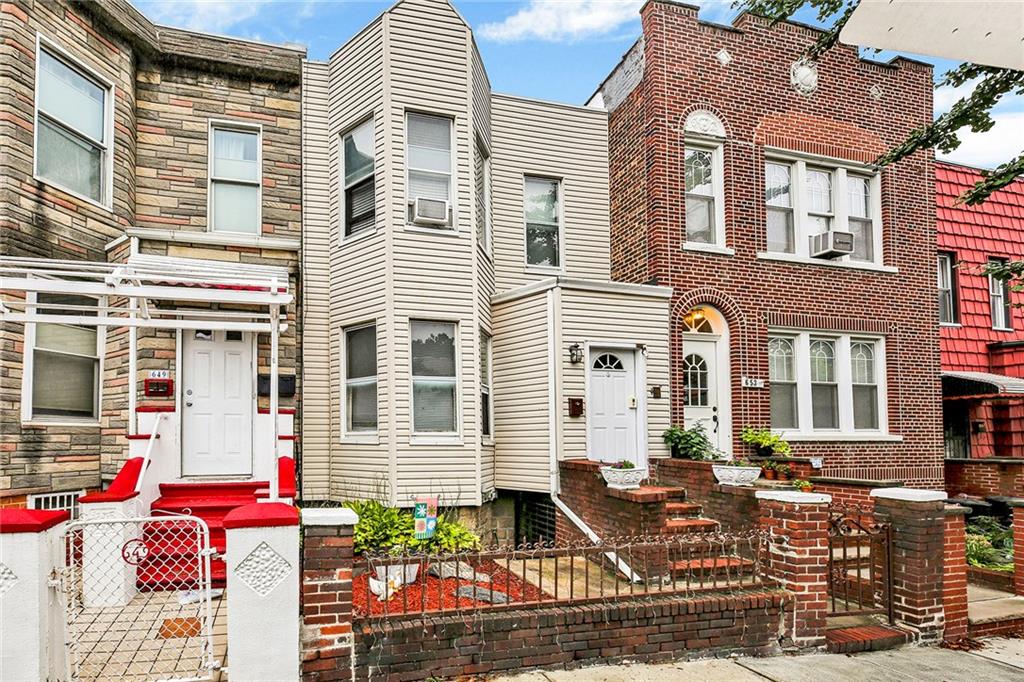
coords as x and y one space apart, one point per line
107 579
31 611
263 592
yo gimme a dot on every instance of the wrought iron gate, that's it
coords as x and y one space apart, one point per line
859 563
138 599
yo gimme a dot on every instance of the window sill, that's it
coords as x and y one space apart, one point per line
436 231
541 270
360 439
708 248
358 236
214 238
72 193
953 325
487 442
43 423
873 437
436 440
1005 330
806 260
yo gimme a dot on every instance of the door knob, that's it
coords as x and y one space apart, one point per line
188 404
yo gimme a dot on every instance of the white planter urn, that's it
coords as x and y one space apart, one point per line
623 479
729 474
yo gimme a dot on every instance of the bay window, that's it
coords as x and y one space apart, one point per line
74 127
999 300
947 289
65 362
429 166
826 385
543 213
358 194
360 365
485 385
235 178
804 199
434 377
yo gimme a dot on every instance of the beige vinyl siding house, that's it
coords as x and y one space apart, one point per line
437 286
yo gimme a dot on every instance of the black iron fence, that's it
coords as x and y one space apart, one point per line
860 562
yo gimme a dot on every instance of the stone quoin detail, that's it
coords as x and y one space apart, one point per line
703 122
263 569
803 75
7 579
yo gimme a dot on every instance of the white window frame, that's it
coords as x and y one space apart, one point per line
802 227
717 148
546 269
28 367
944 266
453 228
436 437
1000 291
488 225
801 339
343 238
347 436
44 44
488 439
242 127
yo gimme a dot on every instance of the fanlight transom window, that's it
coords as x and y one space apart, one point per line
607 361
696 322
695 378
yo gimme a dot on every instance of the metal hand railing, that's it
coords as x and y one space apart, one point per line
154 434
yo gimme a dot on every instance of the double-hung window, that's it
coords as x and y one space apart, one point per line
360 365
999 299
542 209
485 385
482 174
74 130
358 192
235 178
826 385
429 167
65 362
947 289
701 194
434 377
804 199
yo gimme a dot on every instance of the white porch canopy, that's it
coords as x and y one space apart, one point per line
156 292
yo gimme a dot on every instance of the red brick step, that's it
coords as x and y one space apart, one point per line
691 526
680 509
864 638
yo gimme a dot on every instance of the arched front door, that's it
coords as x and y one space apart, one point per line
706 375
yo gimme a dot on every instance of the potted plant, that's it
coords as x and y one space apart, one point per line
783 472
736 472
764 442
803 486
623 475
689 443
769 469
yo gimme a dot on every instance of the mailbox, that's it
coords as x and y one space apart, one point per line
285 385
575 407
158 388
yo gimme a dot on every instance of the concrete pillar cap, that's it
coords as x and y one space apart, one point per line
329 516
909 494
793 497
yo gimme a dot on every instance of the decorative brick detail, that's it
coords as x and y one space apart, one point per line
798 561
327 561
954 577
917 559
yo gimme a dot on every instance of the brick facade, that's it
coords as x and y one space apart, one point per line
841 119
168 85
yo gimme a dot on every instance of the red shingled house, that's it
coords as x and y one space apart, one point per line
982 336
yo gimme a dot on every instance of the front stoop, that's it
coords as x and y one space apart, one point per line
859 638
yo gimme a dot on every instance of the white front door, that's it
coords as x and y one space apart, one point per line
217 410
702 388
613 406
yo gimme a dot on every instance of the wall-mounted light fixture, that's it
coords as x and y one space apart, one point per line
575 353
643 348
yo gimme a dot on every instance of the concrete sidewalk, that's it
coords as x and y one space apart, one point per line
1002 660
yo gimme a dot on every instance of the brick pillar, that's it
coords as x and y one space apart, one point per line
954 577
1017 507
327 561
918 520
798 557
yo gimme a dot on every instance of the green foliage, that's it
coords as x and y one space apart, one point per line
383 528
690 443
764 438
800 484
1008 271
989 544
769 465
623 464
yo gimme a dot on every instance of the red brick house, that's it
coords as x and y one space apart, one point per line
982 336
804 288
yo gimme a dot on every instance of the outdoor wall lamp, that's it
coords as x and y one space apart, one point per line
575 353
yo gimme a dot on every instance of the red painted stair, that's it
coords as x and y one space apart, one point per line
172 563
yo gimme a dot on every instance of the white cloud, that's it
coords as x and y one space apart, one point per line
563 20
210 16
989 149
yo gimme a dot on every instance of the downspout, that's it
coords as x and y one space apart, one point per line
554 315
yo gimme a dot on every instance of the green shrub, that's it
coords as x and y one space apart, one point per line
989 544
765 439
689 443
382 528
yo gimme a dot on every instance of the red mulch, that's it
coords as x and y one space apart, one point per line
410 599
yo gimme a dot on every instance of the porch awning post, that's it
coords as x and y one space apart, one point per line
133 350
275 313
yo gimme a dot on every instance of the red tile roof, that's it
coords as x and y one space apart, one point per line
974 234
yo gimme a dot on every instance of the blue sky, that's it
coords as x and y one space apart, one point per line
551 49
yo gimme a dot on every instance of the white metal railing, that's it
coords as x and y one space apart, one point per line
155 433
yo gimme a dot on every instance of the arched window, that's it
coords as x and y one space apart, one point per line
607 361
696 322
695 381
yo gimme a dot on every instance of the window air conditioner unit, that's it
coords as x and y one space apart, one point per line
831 244
429 211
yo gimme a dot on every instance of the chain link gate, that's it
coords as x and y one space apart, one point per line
137 598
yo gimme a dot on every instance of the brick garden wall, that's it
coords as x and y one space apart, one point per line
985 476
841 119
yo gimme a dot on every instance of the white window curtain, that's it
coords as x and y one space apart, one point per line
434 376
543 232
65 363
235 180
361 379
